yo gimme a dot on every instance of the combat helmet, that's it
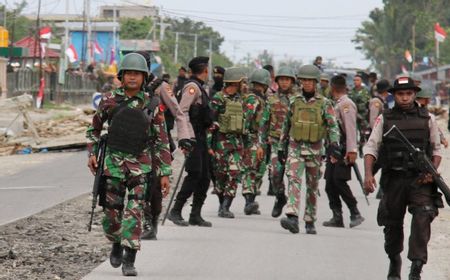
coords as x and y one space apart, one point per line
261 76
309 72
134 62
285 72
424 94
234 75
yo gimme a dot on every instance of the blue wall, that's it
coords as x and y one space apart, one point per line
104 39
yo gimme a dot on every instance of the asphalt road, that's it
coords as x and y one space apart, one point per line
256 247
42 186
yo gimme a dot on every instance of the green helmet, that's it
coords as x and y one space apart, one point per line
309 72
424 94
325 77
135 62
261 76
234 75
285 72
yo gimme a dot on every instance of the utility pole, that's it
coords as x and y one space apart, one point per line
114 27
37 46
4 14
195 44
210 59
175 60
413 47
65 63
89 30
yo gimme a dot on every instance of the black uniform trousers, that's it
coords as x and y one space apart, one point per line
197 167
401 193
336 176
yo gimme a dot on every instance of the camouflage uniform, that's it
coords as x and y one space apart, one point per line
125 171
228 149
361 99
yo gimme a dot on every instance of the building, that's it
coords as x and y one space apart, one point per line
128 11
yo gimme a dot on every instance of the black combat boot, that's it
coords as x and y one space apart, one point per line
280 201
220 197
150 228
336 220
355 217
225 209
251 206
175 214
290 223
416 270
310 228
395 267
115 257
195 219
129 257
270 191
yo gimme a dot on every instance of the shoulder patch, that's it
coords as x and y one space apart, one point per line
346 108
191 90
169 90
377 104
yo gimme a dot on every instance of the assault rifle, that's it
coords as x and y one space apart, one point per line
360 180
98 189
422 162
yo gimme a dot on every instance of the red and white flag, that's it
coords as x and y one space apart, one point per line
408 56
43 49
40 95
97 48
439 33
71 53
404 70
45 32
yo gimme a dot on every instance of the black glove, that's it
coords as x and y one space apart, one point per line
187 144
335 151
282 157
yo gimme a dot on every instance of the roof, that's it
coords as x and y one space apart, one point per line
31 44
105 26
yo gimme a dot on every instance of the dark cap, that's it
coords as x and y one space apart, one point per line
219 70
383 85
338 81
182 68
372 75
199 60
404 83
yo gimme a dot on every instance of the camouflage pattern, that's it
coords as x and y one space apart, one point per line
361 99
126 171
272 119
253 170
306 157
228 149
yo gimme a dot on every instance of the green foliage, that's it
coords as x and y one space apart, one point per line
388 33
18 25
131 28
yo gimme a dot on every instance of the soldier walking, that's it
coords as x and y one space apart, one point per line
360 96
134 120
325 85
195 106
338 169
225 140
404 187
254 168
273 117
310 120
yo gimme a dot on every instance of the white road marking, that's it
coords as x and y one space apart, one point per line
29 188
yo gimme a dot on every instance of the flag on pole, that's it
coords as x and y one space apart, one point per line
404 70
439 33
45 32
43 49
97 48
40 95
408 56
113 56
71 53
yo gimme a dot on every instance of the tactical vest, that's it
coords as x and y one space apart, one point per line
414 125
200 114
128 130
232 120
306 121
278 113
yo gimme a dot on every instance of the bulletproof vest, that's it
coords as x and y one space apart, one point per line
360 101
414 125
306 121
128 129
200 114
232 120
278 113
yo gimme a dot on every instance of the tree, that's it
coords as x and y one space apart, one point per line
131 28
18 25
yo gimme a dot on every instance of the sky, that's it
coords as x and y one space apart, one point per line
288 29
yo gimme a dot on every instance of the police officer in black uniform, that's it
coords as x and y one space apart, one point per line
404 187
195 104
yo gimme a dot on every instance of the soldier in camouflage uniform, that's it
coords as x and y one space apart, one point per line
134 119
360 96
225 138
254 168
325 85
273 116
310 120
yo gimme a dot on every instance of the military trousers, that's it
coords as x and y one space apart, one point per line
296 165
253 168
276 170
122 223
336 187
400 194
